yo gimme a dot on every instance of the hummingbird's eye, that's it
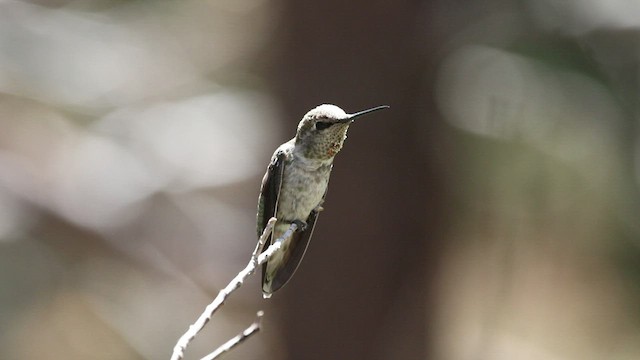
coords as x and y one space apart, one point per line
321 125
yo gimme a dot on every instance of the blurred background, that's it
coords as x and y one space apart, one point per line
491 213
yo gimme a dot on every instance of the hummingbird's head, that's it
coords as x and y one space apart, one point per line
322 131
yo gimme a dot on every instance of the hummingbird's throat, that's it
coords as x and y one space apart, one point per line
334 148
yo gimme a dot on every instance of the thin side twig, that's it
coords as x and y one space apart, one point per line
252 329
236 282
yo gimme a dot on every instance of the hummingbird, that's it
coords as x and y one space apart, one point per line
295 185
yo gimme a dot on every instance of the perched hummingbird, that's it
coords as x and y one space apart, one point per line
294 187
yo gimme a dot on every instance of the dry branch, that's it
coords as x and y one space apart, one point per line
252 329
255 261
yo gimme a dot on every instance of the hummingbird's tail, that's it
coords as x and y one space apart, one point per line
283 263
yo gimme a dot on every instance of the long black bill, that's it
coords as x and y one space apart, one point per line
351 117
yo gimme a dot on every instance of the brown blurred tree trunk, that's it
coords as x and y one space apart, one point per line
363 291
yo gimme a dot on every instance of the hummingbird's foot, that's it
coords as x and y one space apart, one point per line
302 226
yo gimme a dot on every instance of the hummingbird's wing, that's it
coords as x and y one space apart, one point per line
268 200
269 192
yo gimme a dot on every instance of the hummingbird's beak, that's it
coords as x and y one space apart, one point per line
351 117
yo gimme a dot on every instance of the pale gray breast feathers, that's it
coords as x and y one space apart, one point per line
302 190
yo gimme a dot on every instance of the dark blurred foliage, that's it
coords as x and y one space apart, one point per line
491 213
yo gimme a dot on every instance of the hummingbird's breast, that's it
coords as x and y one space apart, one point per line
303 188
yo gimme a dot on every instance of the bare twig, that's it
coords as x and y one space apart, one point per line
252 329
236 282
